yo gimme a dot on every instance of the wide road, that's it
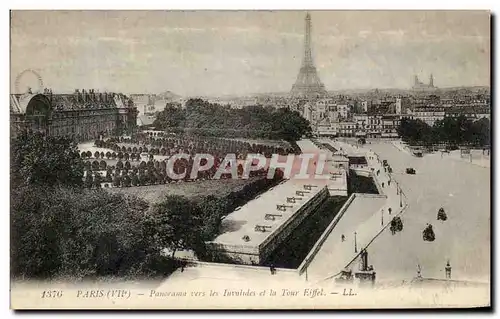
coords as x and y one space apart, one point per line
463 190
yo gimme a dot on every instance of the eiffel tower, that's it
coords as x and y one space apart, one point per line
308 84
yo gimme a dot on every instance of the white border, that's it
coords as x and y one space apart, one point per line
196 5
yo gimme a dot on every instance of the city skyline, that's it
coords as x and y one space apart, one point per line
245 52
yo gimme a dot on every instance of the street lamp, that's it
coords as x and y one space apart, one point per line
400 198
355 243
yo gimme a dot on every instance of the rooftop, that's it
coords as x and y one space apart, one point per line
75 101
261 217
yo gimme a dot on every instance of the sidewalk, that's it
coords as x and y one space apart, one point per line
366 219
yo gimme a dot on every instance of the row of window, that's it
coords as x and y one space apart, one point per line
61 115
79 121
67 130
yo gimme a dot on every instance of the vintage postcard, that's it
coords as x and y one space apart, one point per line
250 159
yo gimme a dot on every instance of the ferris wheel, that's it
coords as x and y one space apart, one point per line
25 75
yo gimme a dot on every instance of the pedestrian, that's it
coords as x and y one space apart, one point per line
343 238
448 270
273 270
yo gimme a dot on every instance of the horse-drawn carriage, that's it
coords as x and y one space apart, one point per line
410 170
428 233
396 225
441 215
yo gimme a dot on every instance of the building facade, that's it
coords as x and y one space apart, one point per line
428 115
84 115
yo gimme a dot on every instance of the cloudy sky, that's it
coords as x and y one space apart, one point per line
238 52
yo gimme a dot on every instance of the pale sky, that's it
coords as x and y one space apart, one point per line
239 52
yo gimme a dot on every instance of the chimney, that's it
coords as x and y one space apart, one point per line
77 95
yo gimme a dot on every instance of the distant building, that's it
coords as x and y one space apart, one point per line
347 129
398 106
364 106
84 115
428 115
420 86
472 114
344 110
308 112
145 103
327 128
361 121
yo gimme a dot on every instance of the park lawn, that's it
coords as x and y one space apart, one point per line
156 193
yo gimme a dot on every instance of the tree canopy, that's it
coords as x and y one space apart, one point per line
204 118
45 160
451 131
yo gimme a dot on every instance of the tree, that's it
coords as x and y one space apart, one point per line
170 117
177 221
143 179
97 180
45 160
109 175
69 231
213 209
102 165
481 132
95 165
89 180
119 165
117 181
134 180
126 181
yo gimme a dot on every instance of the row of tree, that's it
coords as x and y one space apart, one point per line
200 117
454 132
127 178
189 143
112 155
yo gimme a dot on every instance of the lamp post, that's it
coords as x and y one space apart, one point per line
400 198
355 243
